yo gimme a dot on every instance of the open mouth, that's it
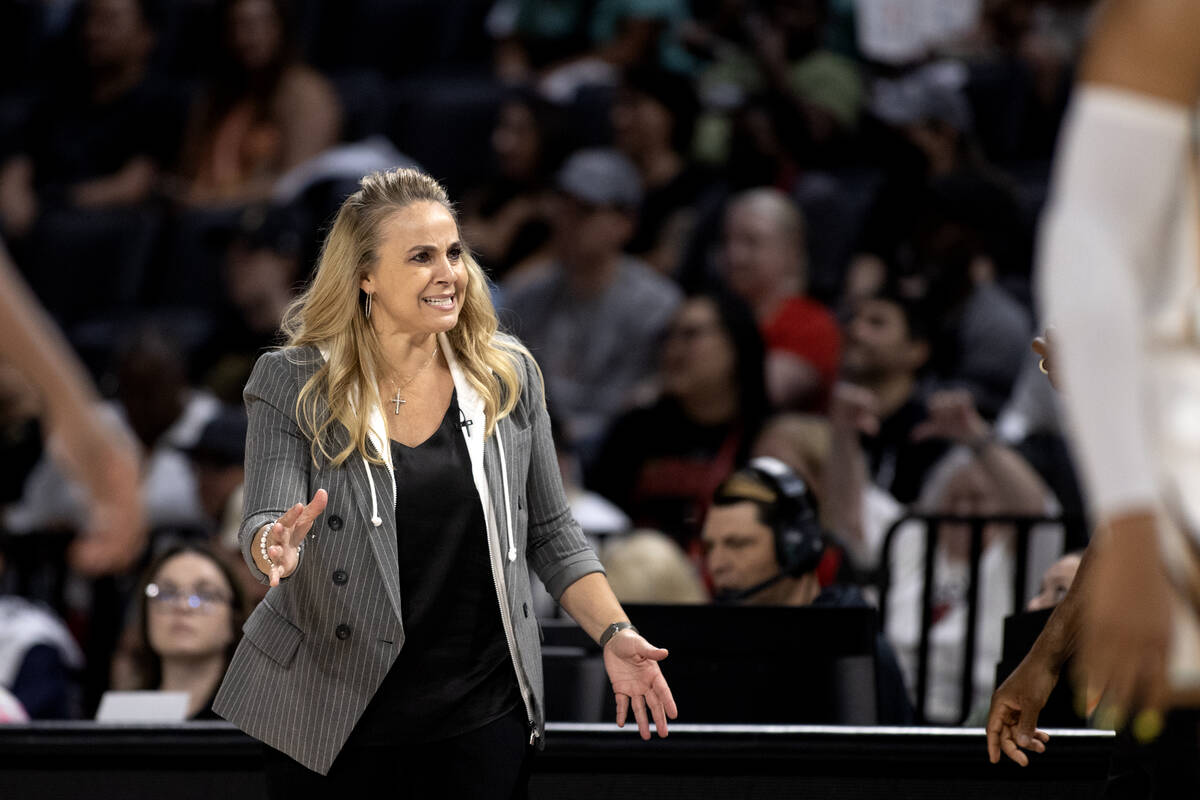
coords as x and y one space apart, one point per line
445 302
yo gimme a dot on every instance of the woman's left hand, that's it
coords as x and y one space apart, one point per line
632 665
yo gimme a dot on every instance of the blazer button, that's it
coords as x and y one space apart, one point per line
335 523
525 608
343 631
340 577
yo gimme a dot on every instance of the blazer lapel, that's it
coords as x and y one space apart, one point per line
383 538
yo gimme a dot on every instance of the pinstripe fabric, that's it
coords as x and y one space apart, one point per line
293 683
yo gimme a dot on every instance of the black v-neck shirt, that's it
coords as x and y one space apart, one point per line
454 673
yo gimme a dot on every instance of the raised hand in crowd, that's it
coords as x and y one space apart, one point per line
953 416
854 408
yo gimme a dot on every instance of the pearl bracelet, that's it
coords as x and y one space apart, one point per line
262 544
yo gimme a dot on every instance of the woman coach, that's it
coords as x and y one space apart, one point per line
397 642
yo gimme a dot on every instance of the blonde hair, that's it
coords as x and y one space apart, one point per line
649 567
328 315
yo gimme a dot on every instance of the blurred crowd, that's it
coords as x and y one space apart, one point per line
726 228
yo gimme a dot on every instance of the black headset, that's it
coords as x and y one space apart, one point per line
799 540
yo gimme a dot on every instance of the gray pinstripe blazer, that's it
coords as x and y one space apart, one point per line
316 649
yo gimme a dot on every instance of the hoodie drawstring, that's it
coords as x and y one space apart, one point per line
512 548
376 520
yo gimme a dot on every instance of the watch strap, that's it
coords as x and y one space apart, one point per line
613 630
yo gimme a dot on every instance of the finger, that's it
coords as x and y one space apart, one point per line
639 713
311 512
649 651
663 692
1026 727
291 515
622 709
1013 752
995 728
659 713
922 431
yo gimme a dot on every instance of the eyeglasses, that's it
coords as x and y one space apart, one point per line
202 600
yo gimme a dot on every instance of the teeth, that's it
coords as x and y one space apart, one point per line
439 301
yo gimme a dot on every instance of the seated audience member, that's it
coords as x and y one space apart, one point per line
190 610
980 477
217 459
100 138
887 348
795 103
262 113
592 315
763 543
649 567
505 218
662 462
156 405
1056 581
653 119
39 660
589 42
764 262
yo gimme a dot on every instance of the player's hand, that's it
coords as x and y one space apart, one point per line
1126 623
1012 719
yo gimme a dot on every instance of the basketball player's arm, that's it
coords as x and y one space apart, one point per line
97 453
1123 160
1013 716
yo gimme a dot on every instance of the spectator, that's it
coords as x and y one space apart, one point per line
764 263
762 546
661 463
100 138
794 102
1056 581
39 660
650 567
592 316
654 118
189 618
217 459
982 477
263 112
505 218
887 347
590 42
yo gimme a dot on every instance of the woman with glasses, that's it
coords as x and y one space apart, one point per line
188 623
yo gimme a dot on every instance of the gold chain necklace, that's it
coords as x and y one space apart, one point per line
398 401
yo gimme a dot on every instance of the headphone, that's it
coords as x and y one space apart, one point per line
799 540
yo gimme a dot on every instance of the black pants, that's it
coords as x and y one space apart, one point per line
489 763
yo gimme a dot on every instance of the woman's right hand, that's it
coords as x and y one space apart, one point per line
284 538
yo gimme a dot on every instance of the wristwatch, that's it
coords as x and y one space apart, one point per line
613 630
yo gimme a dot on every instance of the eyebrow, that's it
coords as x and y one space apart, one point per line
431 247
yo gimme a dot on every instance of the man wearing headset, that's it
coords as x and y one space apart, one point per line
763 543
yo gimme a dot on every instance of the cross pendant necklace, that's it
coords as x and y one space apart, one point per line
398 401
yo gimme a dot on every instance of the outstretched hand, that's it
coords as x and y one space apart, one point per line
637 681
1012 719
286 534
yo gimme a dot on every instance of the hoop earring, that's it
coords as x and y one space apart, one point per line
368 305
